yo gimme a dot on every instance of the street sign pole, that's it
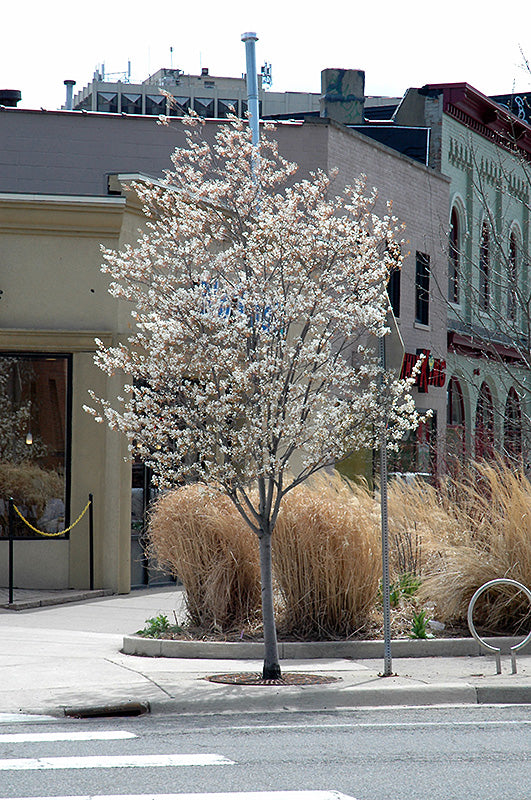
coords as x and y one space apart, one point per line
392 351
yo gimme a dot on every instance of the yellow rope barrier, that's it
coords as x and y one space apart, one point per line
44 533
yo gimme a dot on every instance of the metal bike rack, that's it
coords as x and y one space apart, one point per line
477 637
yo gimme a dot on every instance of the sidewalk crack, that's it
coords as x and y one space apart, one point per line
146 677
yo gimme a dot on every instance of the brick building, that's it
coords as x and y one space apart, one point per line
485 150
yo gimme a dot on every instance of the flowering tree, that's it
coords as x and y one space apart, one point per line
254 302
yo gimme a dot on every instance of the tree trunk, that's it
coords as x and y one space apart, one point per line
271 663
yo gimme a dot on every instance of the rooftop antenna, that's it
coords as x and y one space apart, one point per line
267 78
171 57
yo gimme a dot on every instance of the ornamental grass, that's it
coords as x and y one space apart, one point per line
197 534
490 538
326 558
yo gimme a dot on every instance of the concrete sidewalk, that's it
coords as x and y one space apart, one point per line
54 657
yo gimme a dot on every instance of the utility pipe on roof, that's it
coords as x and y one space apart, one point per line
252 83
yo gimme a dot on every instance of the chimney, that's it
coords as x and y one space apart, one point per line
10 97
343 95
69 94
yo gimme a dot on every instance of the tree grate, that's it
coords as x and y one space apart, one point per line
256 679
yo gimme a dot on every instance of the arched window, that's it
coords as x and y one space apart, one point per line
484 267
484 423
512 426
512 276
455 420
454 257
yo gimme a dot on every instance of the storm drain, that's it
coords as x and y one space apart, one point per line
128 709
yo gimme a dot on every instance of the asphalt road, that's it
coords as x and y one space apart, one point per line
477 753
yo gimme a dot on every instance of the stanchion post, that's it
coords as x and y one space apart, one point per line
11 531
91 541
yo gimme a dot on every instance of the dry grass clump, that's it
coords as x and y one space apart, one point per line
491 539
326 552
421 520
31 487
199 536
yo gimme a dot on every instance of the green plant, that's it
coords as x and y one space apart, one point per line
419 626
406 586
156 627
409 584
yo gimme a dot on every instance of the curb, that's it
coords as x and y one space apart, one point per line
401 648
203 699
340 698
57 600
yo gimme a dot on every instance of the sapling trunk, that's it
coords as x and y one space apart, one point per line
271 668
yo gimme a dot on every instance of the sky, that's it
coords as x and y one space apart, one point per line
398 44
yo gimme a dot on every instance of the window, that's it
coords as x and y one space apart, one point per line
484 423
418 450
34 440
422 289
393 290
204 106
455 421
180 106
108 101
484 267
131 103
226 107
454 258
245 109
512 426
512 277
155 104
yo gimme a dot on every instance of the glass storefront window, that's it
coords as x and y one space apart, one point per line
34 441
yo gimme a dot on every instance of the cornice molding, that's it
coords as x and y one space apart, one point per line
48 341
60 214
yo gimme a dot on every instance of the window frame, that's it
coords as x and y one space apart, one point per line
422 288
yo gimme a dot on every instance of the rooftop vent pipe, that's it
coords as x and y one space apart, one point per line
252 83
69 94
10 97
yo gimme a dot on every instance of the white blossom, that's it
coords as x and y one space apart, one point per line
254 302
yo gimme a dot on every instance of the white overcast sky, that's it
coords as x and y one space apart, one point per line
398 44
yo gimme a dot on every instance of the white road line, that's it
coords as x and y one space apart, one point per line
317 795
66 736
378 725
104 762
7 719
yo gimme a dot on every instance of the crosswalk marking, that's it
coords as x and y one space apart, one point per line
65 736
301 795
103 762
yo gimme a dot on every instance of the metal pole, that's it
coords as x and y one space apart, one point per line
91 542
252 83
11 524
385 535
